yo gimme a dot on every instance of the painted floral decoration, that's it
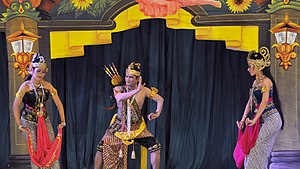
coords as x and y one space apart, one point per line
79 7
238 6
82 4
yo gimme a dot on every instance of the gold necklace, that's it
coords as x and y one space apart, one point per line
37 85
40 101
260 78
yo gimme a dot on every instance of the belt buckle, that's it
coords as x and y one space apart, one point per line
39 113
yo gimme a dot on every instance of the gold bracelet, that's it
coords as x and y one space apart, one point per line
21 126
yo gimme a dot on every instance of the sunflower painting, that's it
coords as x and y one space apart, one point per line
238 6
79 7
82 4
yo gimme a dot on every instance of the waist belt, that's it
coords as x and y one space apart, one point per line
31 114
268 113
128 139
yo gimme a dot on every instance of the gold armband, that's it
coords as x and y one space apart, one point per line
53 91
20 94
264 89
153 91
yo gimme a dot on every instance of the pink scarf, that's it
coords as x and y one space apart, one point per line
246 141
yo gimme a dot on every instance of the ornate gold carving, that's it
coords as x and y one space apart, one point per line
22 62
285 52
285 33
22 41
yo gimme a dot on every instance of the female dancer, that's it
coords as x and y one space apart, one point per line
264 102
34 121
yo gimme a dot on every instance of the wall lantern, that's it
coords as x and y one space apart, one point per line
22 44
285 33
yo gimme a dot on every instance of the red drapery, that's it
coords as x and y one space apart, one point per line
46 152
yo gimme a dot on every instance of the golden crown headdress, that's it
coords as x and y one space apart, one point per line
260 64
134 69
38 61
112 72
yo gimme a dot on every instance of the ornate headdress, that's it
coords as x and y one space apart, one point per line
134 69
263 58
112 72
38 61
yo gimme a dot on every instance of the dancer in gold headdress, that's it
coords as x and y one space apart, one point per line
34 121
265 104
128 125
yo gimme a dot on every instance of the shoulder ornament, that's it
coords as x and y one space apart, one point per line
53 92
264 89
20 94
153 92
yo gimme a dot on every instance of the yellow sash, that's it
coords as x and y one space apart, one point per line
128 139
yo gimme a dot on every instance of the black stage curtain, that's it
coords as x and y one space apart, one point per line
205 87
4 104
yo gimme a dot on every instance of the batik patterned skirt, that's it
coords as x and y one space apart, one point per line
258 156
32 126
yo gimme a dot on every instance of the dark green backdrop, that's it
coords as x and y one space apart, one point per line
4 104
205 87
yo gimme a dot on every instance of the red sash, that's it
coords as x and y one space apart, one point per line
47 152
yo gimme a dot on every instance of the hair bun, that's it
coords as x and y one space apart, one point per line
38 58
